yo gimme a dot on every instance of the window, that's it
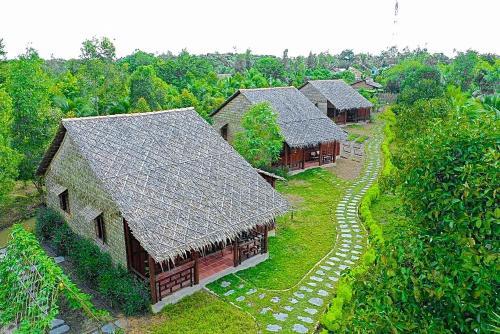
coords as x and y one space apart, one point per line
100 229
64 201
223 132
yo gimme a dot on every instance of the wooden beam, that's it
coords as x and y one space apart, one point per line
196 256
265 241
320 154
128 246
235 252
152 279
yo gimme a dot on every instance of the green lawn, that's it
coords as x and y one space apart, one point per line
302 241
201 313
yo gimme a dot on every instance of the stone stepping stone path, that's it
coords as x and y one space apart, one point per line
298 310
58 326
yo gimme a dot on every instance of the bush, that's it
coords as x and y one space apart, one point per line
122 289
47 221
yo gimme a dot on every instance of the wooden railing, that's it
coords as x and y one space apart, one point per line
170 281
249 248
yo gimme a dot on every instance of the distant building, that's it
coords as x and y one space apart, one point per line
311 139
367 83
337 100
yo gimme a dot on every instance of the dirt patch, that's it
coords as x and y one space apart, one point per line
295 200
346 169
298 183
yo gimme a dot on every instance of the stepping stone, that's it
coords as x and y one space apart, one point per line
346 245
275 299
322 293
357 246
329 286
299 328
317 279
305 288
56 323
59 259
325 267
298 295
108 328
241 286
311 283
320 272
225 284
330 263
280 316
121 323
273 328
335 259
228 293
349 262
333 279
262 296
250 304
311 311
62 329
342 254
344 226
316 301
354 257
288 308
240 299
305 319
251 291
265 310
345 230
344 250
342 267
346 235
293 300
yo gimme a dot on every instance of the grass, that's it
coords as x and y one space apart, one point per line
201 312
302 241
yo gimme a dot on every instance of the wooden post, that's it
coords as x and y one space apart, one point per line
263 249
320 154
196 256
128 246
152 279
345 117
235 252
303 158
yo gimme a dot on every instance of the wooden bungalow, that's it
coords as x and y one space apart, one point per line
367 83
339 101
311 139
163 194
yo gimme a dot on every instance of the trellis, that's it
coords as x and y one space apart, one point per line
30 285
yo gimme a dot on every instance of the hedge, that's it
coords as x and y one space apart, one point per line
344 291
113 282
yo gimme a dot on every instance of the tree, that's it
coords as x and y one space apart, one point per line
145 84
270 67
311 61
138 58
34 120
142 105
3 53
95 48
9 158
260 142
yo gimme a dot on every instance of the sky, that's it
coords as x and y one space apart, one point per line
56 28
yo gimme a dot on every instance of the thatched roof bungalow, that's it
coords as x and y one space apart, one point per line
310 137
339 101
367 83
163 193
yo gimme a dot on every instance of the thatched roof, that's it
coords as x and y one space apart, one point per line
369 82
301 122
340 94
179 185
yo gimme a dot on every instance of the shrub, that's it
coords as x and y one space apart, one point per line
120 287
47 220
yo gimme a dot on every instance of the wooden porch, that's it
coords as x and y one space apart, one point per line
348 116
169 277
301 158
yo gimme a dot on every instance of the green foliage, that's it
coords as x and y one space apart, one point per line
270 67
94 48
144 83
32 284
94 266
33 120
260 142
9 158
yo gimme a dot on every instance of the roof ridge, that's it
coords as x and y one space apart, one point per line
72 119
267 88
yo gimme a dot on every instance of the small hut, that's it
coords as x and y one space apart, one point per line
311 139
367 83
339 101
163 194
